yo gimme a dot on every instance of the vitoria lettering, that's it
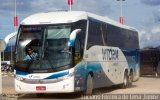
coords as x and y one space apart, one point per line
110 54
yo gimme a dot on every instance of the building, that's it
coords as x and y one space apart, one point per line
149 59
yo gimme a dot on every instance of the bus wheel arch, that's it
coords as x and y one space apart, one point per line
89 83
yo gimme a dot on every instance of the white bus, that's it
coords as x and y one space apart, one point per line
77 51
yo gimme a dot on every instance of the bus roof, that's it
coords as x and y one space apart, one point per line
59 17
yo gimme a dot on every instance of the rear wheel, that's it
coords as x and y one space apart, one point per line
89 86
158 69
125 81
130 78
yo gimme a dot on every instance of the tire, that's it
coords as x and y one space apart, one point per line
158 68
125 81
89 86
130 78
19 95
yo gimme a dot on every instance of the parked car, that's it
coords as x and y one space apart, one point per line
7 67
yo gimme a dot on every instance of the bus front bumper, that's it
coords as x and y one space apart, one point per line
64 86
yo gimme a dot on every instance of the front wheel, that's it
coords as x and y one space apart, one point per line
89 86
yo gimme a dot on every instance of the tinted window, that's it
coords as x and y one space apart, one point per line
114 36
122 38
81 36
94 34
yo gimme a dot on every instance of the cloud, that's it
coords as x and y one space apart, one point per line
149 33
33 6
151 2
150 36
101 7
156 29
48 5
28 7
84 5
6 6
156 15
93 6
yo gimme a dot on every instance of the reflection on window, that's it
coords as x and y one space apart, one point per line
56 44
56 32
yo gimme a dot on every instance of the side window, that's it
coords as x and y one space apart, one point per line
77 52
80 40
94 34
81 36
114 36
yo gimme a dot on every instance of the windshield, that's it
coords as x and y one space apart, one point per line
43 48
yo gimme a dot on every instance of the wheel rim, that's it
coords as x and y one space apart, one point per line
125 80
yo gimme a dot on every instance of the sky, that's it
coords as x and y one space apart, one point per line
144 15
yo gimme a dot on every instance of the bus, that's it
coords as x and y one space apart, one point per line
77 51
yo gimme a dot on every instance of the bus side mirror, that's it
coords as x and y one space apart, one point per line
73 37
2 45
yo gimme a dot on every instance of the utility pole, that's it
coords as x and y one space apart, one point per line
70 2
15 25
121 20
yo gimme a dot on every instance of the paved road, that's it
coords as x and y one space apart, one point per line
146 85
8 84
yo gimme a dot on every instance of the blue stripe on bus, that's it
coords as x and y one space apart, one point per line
57 75
21 73
53 76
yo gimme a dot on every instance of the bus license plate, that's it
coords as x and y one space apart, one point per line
40 88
